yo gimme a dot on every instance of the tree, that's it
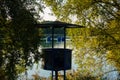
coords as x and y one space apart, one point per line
102 18
18 36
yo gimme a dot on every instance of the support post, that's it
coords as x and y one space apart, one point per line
64 74
52 48
64 51
56 75
52 75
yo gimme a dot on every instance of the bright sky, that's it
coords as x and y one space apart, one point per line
47 15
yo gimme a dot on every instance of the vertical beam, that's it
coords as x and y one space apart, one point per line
64 38
64 51
52 74
52 48
56 75
64 74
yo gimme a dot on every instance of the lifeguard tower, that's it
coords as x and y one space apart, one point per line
56 59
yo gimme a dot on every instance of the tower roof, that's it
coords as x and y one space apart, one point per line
57 24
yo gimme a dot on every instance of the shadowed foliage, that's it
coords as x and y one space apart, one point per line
18 37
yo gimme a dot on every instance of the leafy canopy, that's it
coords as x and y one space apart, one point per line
102 19
19 38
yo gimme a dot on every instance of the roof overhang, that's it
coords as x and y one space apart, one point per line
57 24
